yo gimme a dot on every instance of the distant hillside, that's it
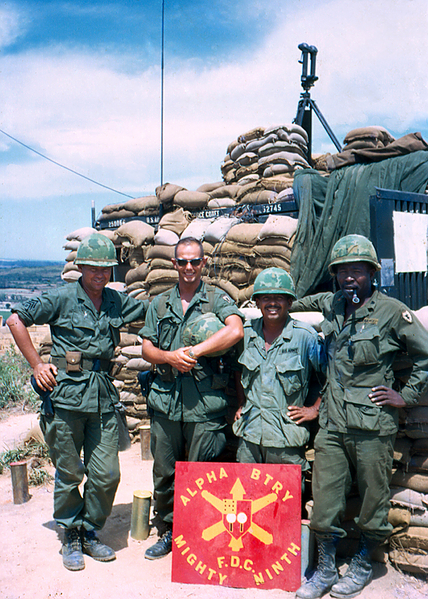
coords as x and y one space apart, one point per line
29 275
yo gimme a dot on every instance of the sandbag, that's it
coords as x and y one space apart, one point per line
70 266
406 497
244 233
225 191
110 234
146 203
137 232
258 196
416 430
159 288
162 276
209 187
71 256
409 560
71 276
218 229
135 256
116 216
138 364
402 450
71 246
166 192
399 517
278 226
254 133
137 274
221 203
414 536
127 339
227 286
278 169
161 263
166 237
197 228
81 233
175 221
417 482
136 285
165 252
191 199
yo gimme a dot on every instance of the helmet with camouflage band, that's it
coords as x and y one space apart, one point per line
201 329
353 248
96 250
274 280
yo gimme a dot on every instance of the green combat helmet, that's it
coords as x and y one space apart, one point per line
96 250
274 280
353 248
201 329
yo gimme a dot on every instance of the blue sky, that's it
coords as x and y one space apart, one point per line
80 83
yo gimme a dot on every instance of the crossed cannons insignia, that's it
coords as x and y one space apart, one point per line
237 516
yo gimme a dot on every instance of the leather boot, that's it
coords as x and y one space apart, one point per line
161 548
326 574
72 556
91 545
359 573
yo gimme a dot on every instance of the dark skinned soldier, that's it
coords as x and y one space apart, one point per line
364 330
84 318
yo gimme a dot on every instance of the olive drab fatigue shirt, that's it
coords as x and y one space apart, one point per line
76 325
274 380
192 396
361 352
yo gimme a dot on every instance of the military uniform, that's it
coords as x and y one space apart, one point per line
188 408
83 401
354 432
273 380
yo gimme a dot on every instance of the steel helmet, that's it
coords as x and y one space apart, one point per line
201 329
96 250
353 248
274 280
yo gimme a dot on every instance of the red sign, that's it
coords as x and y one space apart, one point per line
237 525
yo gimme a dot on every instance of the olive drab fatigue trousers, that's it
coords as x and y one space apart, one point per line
66 434
339 456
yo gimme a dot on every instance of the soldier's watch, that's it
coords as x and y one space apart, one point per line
191 354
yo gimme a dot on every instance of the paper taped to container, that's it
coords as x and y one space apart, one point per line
410 241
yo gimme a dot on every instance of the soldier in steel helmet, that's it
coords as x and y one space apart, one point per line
187 395
278 356
364 331
85 318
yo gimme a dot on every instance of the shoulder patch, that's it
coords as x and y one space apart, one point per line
227 298
407 316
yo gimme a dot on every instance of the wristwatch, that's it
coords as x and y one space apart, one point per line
191 354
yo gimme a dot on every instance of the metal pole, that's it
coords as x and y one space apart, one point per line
162 89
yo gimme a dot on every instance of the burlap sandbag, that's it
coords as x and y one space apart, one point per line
253 146
165 252
134 255
278 169
191 199
161 263
254 133
278 184
162 276
245 294
71 246
409 560
208 247
166 237
137 232
112 235
270 250
69 266
260 196
405 497
138 364
278 226
111 208
143 296
244 233
269 261
137 274
81 233
136 285
210 187
218 229
197 228
417 482
71 276
127 339
237 151
416 430
402 450
247 158
166 192
176 221
146 203
221 203
225 191
280 146
159 288
71 256
227 286
372 131
414 536
289 158
399 517
225 248
116 216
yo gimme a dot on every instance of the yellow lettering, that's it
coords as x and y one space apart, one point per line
179 541
248 565
220 561
211 572
191 559
269 574
184 499
199 483
294 549
285 558
222 577
223 473
277 568
287 495
234 561
276 487
191 493
268 478
255 474
258 578
200 568
211 476
185 551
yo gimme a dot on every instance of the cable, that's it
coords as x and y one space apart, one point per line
65 167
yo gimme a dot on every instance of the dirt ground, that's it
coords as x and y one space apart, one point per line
31 565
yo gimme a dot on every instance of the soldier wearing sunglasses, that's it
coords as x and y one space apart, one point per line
188 407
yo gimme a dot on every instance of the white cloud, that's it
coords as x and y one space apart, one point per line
82 111
12 25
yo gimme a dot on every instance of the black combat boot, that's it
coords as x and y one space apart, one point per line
92 546
359 573
72 556
326 574
161 548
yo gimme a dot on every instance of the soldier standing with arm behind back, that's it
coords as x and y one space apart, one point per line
84 318
188 403
364 330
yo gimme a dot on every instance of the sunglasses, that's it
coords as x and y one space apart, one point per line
195 262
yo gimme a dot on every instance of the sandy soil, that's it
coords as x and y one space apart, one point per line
31 565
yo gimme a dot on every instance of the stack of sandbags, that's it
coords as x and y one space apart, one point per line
144 206
409 489
136 237
367 137
263 153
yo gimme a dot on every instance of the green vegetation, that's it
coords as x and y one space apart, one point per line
35 451
29 275
15 374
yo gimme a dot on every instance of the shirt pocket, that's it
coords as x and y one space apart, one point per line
251 364
290 374
364 346
114 325
82 329
166 331
361 412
